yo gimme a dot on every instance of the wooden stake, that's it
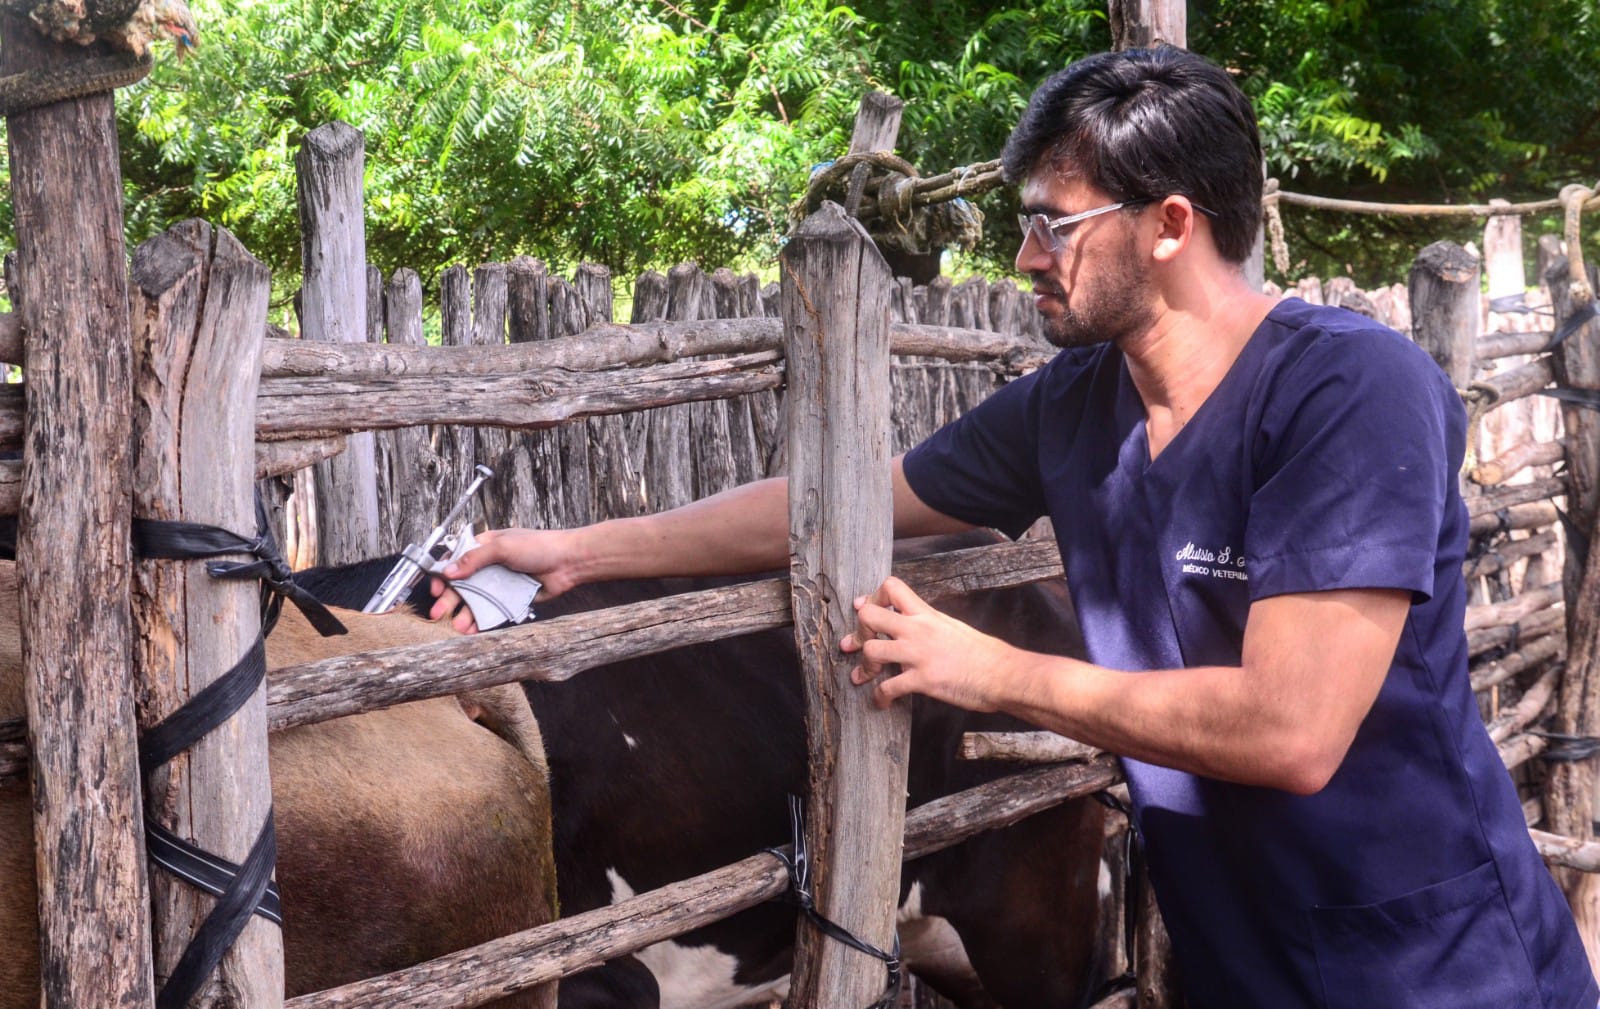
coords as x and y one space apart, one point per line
1140 24
72 551
836 314
1445 313
334 308
411 501
201 302
1569 789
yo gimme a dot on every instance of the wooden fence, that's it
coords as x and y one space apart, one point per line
610 466
567 390
311 395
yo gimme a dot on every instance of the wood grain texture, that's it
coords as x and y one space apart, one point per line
647 339
1024 747
201 302
540 499
836 320
73 543
1445 315
615 482
333 252
1569 798
409 498
1140 24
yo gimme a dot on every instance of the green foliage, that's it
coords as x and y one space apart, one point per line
1412 101
643 132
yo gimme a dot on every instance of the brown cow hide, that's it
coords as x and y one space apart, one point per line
403 834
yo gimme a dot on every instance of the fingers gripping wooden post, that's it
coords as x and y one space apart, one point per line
72 297
836 321
200 301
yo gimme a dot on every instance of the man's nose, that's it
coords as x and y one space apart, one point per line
1032 256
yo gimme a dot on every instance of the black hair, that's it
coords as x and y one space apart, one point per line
1144 124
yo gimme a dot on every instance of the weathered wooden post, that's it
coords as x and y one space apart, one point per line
749 461
1569 789
669 468
572 437
73 540
1446 311
836 323
201 302
613 472
333 246
1502 254
411 499
538 499
456 444
1140 24
492 445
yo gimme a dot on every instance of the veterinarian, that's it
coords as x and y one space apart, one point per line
1258 510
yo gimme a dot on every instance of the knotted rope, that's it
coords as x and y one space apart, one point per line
131 28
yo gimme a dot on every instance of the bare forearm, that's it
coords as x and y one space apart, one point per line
1208 720
742 530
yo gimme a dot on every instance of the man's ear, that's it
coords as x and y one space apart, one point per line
1174 228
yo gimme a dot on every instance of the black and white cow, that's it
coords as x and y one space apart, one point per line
668 766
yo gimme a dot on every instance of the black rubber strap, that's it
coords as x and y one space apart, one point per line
203 870
799 867
1572 324
241 891
222 926
160 540
246 890
204 711
1566 749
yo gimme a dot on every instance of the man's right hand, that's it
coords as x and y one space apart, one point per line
545 554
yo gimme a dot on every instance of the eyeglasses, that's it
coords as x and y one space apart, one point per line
1048 232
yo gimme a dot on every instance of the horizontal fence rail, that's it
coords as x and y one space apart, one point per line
475 976
560 648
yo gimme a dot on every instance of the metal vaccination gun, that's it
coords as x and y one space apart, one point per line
495 594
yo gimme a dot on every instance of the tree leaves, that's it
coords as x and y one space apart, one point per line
643 132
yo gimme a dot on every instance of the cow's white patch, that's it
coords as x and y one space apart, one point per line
931 947
633 744
695 977
912 908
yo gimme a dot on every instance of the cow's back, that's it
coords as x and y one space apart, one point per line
403 834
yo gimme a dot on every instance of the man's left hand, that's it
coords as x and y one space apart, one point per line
938 655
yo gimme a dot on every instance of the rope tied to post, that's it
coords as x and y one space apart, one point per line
1269 206
130 27
247 889
902 210
799 866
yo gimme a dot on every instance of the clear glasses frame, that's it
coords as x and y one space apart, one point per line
1049 232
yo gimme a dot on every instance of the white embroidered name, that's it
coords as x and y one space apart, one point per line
1222 563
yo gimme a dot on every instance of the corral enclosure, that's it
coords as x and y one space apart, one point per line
705 366
679 341
605 467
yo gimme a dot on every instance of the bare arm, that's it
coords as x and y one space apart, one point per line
742 530
1312 666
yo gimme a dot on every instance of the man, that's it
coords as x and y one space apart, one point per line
1258 510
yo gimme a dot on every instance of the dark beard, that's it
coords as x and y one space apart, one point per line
1119 308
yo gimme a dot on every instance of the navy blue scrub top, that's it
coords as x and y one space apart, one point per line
1327 458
